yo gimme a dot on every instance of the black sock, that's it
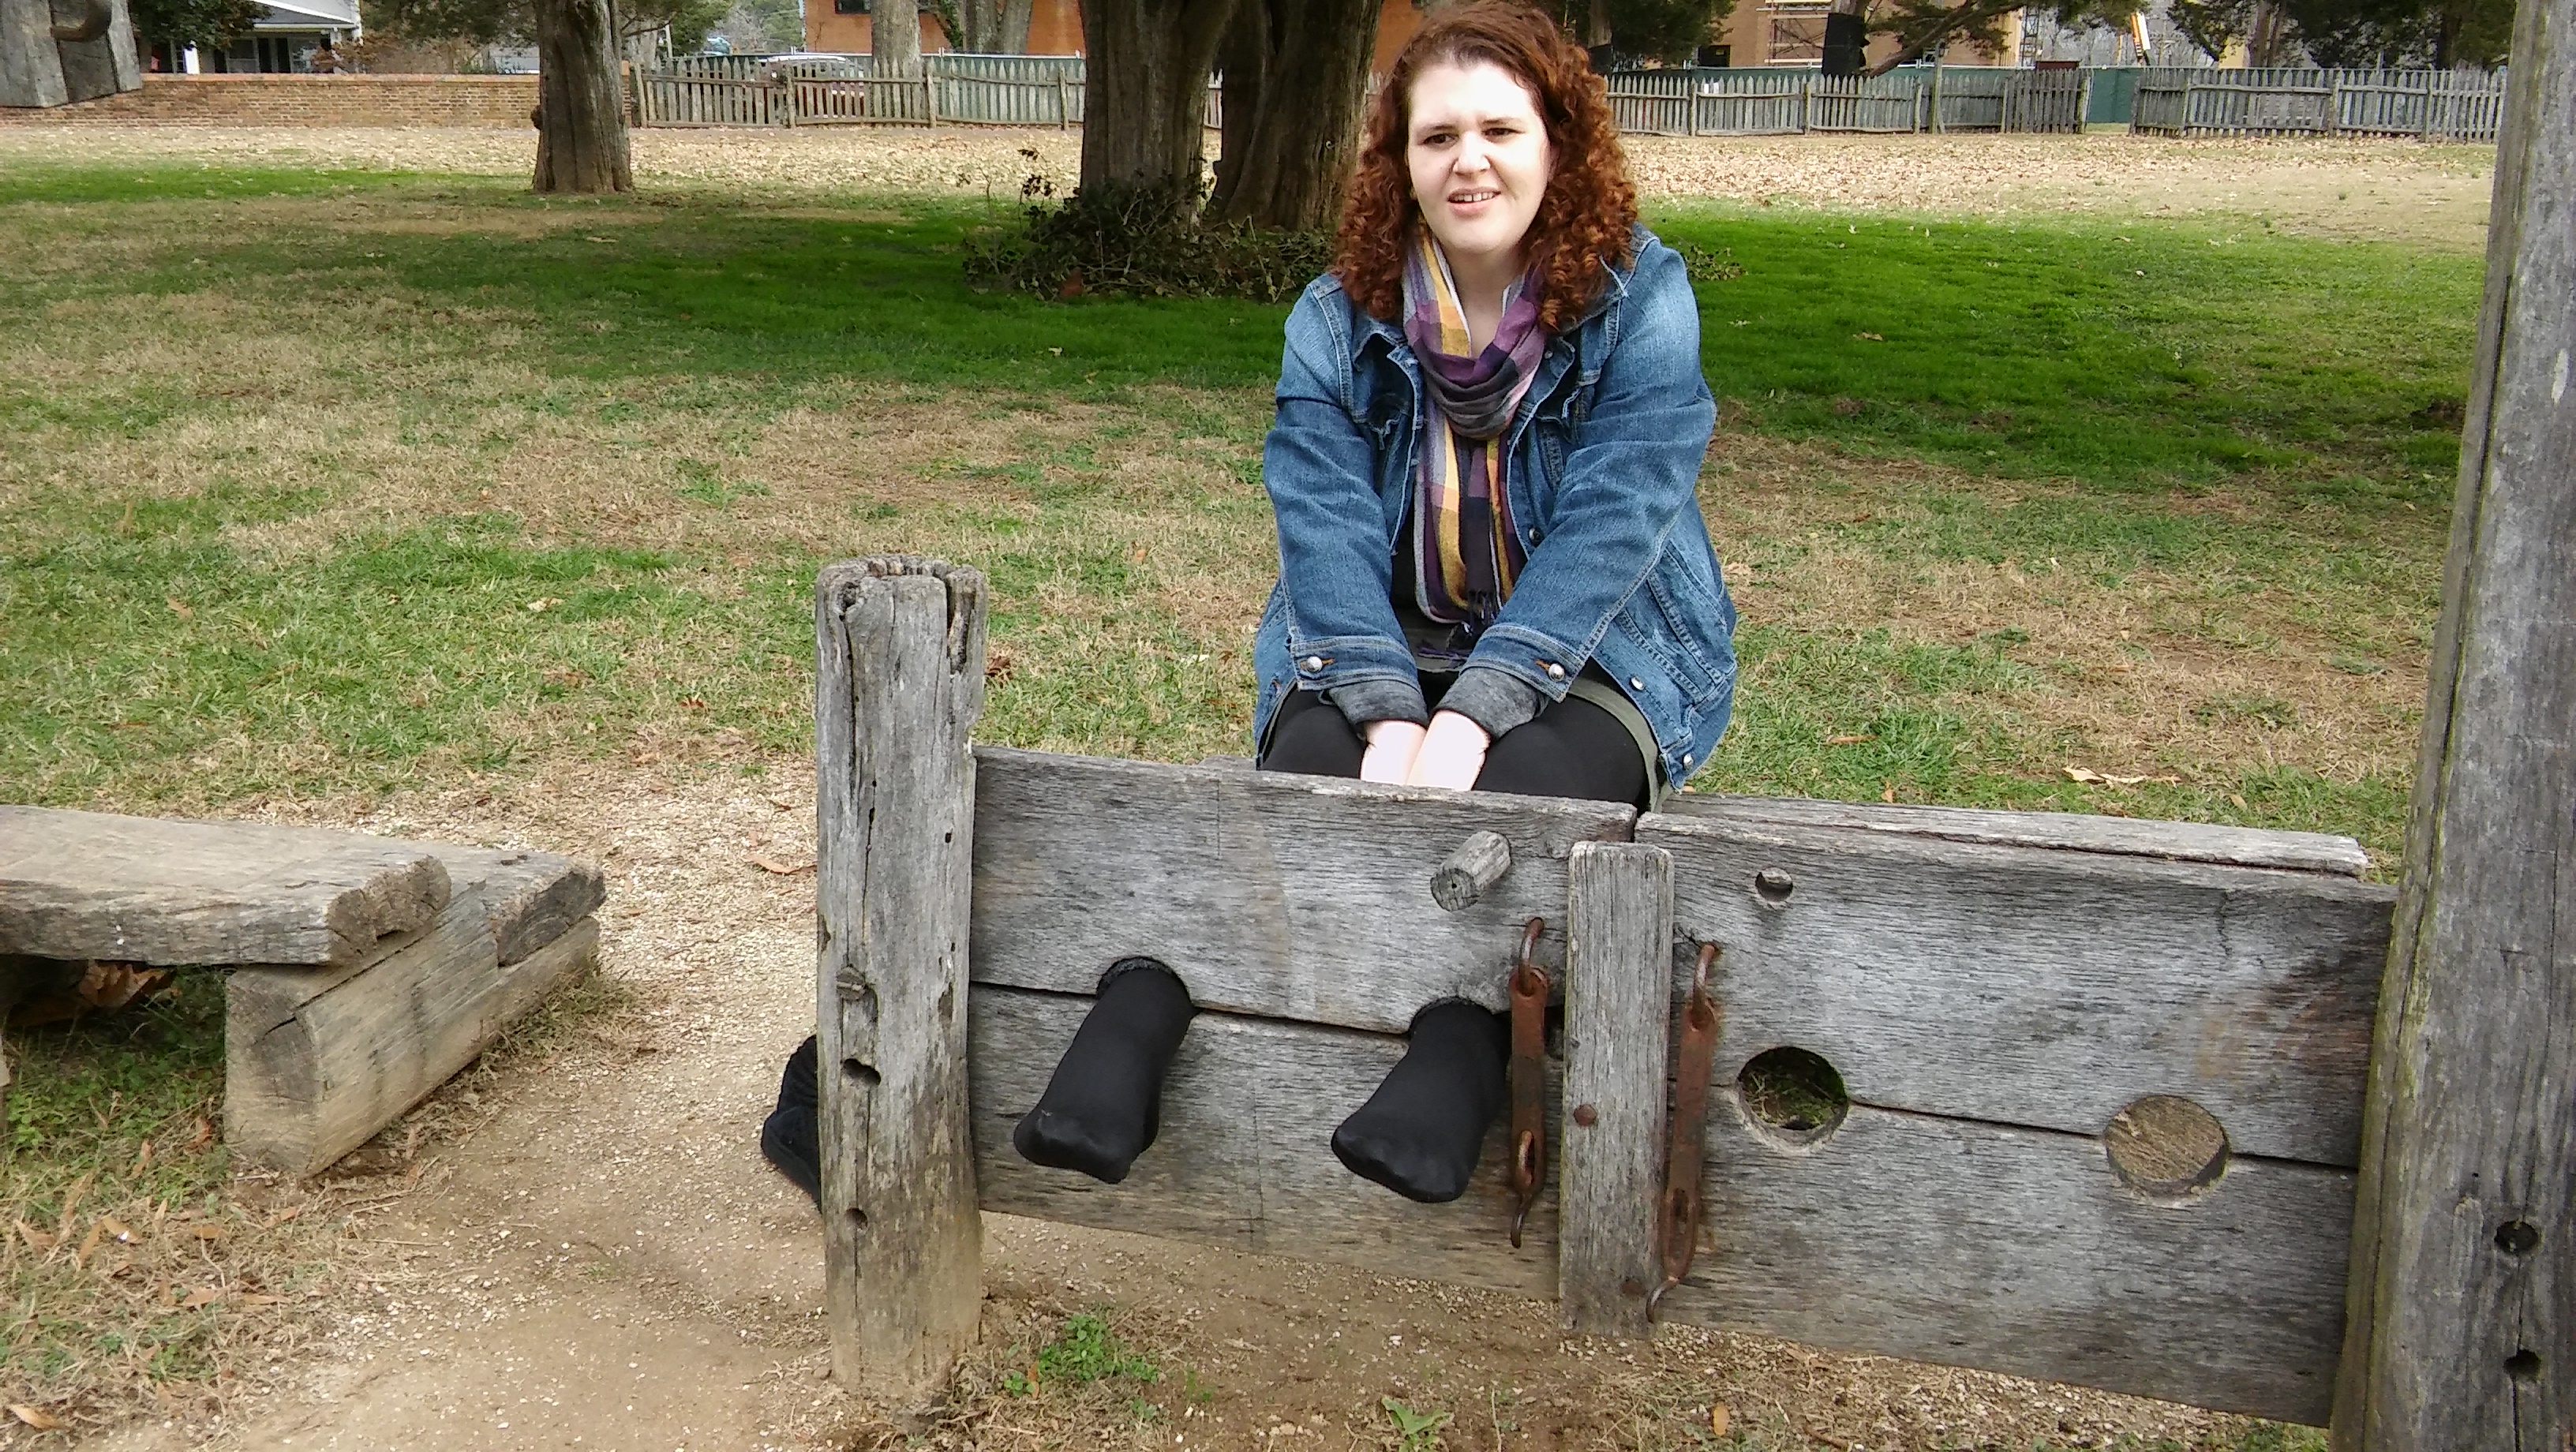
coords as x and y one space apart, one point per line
1105 1102
1420 1133
792 1139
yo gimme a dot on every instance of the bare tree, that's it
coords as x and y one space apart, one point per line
581 110
1295 74
1144 90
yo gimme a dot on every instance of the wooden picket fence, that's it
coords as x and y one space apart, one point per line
2434 105
1029 90
1752 102
952 90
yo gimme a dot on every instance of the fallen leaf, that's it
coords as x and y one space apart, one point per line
1888 793
143 1156
116 1228
784 804
1717 1419
201 1296
89 1243
693 703
37 1240
203 1135
1869 337
2239 799
1845 740
282 1216
204 1231
254 1300
783 869
177 607
2097 778
36 1417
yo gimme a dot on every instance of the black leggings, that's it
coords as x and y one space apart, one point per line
1572 748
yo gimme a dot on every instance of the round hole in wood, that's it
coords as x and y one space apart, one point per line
858 1218
2523 1366
1792 1096
1772 887
2166 1147
865 1075
2517 1237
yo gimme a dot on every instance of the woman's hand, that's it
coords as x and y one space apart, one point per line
1452 753
1392 746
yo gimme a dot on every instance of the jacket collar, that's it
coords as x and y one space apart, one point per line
1374 329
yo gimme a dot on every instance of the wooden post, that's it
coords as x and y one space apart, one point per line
1618 1020
898 682
2461 1311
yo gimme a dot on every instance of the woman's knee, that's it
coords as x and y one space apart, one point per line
1572 749
1312 736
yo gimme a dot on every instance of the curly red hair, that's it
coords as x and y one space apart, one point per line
1585 216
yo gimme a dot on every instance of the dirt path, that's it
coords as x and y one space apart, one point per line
595 1257
2400 191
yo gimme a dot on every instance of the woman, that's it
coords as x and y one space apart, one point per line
1493 570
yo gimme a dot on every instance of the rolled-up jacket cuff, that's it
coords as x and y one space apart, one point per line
1493 699
1361 702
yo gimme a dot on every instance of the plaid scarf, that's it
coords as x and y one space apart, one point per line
1465 551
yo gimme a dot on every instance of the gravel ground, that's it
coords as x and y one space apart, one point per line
2400 191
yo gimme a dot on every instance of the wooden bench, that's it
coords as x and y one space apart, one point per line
361 972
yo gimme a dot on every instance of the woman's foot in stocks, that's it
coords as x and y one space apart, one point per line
1105 1102
1420 1133
791 1139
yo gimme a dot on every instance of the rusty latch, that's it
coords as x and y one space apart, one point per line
1528 986
1678 1222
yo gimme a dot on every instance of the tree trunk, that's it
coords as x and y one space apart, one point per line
1296 72
994 27
1144 90
894 37
2460 1327
581 112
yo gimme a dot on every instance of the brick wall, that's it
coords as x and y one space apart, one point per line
284 100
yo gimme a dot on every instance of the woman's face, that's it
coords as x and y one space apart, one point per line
1479 155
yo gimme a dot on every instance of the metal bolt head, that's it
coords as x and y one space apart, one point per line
1586 1115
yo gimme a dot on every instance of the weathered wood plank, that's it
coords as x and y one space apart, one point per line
1618 1014
1292 897
530 898
2020 1251
1244 1159
2071 831
144 890
898 683
2463 1272
310 1076
2041 987
1974 1245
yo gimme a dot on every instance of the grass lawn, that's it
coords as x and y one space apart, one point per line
339 484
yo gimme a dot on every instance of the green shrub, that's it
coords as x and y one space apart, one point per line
1139 239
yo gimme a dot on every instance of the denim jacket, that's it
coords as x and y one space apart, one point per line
1605 456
